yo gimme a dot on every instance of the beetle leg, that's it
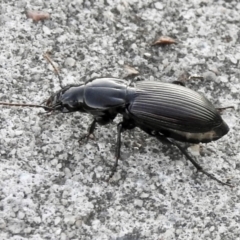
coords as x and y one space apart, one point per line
126 124
181 83
196 165
120 129
220 110
90 131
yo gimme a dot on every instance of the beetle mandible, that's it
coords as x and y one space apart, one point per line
167 111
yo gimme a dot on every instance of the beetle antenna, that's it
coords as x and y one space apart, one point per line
56 70
26 105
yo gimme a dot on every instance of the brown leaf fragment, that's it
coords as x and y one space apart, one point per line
37 16
195 77
130 70
164 40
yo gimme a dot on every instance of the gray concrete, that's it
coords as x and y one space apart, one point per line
52 188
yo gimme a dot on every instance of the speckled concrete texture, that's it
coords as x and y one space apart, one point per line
53 188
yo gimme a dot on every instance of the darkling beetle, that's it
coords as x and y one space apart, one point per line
166 111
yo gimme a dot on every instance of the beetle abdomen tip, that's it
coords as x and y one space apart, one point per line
221 130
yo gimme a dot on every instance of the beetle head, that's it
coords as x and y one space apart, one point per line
68 99
53 102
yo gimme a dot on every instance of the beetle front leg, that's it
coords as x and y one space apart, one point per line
101 120
196 165
90 131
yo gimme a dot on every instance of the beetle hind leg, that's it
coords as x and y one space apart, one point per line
195 164
198 167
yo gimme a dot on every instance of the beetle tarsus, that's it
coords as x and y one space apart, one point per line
196 165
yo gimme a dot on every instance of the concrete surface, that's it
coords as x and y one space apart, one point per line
52 188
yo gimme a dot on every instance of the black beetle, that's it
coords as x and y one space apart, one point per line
166 111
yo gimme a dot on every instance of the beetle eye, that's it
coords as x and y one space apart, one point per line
48 103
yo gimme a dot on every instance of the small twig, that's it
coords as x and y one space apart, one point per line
56 70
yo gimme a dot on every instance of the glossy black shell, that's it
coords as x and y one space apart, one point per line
177 112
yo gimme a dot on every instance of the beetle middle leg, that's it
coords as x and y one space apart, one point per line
196 165
121 127
118 148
